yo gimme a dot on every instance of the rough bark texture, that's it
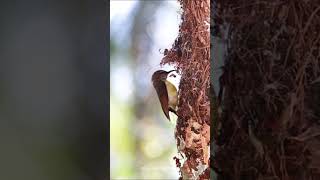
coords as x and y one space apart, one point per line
191 54
269 124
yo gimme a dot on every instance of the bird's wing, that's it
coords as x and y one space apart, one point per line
163 97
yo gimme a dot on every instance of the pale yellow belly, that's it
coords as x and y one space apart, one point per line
172 95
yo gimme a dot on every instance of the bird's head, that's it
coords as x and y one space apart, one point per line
160 75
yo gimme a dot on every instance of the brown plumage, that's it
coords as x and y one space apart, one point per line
158 79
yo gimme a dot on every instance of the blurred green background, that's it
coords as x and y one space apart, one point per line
142 144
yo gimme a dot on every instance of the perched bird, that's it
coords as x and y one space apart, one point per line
166 85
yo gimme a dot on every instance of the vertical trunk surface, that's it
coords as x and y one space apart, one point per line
191 54
269 90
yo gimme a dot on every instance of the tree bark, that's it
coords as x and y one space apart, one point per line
268 126
191 55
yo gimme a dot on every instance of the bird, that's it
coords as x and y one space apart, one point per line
166 84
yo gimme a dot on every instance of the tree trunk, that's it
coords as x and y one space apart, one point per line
268 126
190 53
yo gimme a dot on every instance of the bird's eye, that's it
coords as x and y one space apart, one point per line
172 75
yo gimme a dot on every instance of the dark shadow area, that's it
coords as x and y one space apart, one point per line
267 120
53 90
